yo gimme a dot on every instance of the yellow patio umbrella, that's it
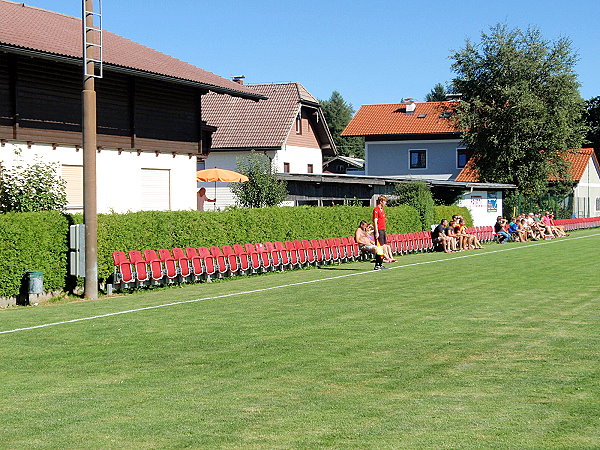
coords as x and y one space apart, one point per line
215 174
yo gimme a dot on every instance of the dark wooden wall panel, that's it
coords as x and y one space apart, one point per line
113 105
6 113
48 95
137 112
166 111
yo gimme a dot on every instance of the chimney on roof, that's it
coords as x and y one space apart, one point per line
410 105
239 79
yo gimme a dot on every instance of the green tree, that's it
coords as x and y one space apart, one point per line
437 94
593 120
31 187
520 106
263 189
418 195
338 114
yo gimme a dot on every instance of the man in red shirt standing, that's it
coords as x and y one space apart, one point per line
379 228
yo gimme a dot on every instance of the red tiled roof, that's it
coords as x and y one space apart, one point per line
579 159
247 124
37 29
390 119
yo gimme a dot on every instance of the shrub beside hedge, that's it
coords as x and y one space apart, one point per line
33 241
446 212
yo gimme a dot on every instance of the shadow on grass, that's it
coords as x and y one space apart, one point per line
343 268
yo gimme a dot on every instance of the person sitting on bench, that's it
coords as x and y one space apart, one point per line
500 231
439 238
365 245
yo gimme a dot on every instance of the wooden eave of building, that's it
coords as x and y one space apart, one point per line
324 136
130 71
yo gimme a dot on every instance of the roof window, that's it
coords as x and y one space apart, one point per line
421 116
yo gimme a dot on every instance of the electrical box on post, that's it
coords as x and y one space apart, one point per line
77 250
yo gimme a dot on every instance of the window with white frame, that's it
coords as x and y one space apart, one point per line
461 158
417 159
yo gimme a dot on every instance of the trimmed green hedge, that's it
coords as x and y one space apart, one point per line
157 229
38 241
446 212
33 241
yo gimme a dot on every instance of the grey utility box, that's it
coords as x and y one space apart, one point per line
77 250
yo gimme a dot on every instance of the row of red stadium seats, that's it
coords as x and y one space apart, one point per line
203 263
179 265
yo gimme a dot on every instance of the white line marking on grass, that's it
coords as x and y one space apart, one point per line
282 286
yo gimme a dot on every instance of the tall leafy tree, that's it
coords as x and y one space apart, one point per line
437 94
521 108
264 188
593 121
338 113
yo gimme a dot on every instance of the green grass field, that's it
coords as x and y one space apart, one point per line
490 348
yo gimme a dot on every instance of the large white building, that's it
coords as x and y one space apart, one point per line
150 125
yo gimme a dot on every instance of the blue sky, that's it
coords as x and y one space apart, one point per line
376 51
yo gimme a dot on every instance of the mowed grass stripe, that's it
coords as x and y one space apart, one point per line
498 350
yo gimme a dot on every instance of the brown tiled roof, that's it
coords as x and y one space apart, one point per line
247 124
49 32
390 119
579 159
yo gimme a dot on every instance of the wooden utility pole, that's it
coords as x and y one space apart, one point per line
91 49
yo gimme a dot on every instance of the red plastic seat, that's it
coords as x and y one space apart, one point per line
197 266
219 258
182 261
286 259
168 262
208 260
275 255
232 259
311 255
156 269
123 270
242 257
327 253
263 256
319 251
348 248
138 261
342 249
302 255
336 254
253 256
294 255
